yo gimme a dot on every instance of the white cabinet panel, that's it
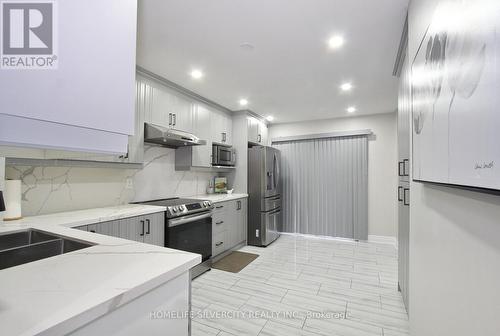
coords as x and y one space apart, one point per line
149 229
183 114
111 228
219 243
222 127
253 130
242 216
155 229
229 227
134 318
202 155
35 133
93 86
165 107
263 134
257 131
228 129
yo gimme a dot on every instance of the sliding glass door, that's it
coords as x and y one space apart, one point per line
325 186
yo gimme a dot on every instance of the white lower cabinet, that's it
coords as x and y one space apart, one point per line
147 315
229 225
149 229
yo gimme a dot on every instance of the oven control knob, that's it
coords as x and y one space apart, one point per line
182 208
174 209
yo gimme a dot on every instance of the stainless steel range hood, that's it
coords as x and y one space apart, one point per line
170 138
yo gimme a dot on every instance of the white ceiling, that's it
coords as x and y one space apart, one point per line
290 74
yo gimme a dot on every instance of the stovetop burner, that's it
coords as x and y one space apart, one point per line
177 207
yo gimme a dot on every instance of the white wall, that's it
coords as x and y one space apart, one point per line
454 246
382 162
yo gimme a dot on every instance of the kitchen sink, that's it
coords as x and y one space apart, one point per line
30 245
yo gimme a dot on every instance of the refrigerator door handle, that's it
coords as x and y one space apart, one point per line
276 172
269 181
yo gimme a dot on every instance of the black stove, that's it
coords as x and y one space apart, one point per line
188 227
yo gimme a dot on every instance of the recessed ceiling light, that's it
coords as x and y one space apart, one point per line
269 118
346 87
243 102
335 42
196 74
351 109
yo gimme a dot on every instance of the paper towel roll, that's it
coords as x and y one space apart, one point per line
12 198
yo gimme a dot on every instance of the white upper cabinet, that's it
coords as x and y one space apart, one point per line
263 134
88 101
253 130
167 108
222 128
202 155
257 131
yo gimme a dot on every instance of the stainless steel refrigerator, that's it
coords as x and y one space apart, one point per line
264 201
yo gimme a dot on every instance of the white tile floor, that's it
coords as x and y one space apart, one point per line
304 286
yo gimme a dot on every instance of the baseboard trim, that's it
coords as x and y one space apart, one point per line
318 236
371 238
383 240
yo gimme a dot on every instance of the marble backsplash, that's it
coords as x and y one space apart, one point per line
55 189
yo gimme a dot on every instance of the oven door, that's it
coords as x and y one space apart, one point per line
191 233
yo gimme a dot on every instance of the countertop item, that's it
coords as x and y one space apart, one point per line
220 184
12 200
57 295
219 197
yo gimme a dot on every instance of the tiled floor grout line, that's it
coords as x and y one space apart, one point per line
262 327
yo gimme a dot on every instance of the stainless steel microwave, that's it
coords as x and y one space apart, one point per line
223 155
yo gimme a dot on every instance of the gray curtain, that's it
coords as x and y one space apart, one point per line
325 186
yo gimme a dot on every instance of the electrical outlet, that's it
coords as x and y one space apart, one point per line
129 183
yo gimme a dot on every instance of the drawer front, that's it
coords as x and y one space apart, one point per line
219 223
219 243
221 207
271 203
219 217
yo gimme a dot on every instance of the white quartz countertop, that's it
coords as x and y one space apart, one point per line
57 295
216 198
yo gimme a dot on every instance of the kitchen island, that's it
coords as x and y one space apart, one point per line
92 291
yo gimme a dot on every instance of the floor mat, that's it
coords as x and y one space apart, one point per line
235 261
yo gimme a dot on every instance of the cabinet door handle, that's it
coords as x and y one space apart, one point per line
219 244
400 170
238 205
405 173
174 119
219 207
259 138
142 228
406 200
148 231
170 119
217 223
399 194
